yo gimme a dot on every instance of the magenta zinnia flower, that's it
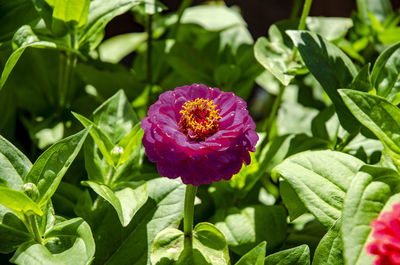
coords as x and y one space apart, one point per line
199 133
386 233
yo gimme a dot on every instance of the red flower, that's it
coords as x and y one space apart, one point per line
386 233
199 133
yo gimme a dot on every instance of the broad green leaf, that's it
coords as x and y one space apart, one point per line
100 13
330 66
14 165
163 209
275 56
330 248
18 201
380 9
295 256
100 138
242 229
362 81
378 115
107 79
68 242
74 12
14 14
284 146
331 28
255 256
291 200
130 143
212 17
51 166
209 247
115 117
372 191
23 39
320 179
305 230
12 231
96 166
385 74
114 49
126 199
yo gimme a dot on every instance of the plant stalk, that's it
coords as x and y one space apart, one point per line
272 116
188 215
34 228
185 4
302 24
149 58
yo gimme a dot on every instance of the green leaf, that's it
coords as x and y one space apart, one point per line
114 49
380 9
18 201
131 143
164 208
385 74
212 17
100 138
362 81
245 228
255 256
14 14
100 13
275 56
372 191
209 247
69 242
14 165
331 28
291 200
330 248
51 166
12 231
320 179
115 117
295 256
25 38
330 66
126 199
378 115
96 166
74 12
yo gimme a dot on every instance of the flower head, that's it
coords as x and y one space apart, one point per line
386 233
199 133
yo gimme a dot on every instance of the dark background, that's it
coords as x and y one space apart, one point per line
259 14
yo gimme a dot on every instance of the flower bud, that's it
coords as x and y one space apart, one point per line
31 190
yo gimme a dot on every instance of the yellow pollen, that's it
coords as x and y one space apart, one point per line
199 119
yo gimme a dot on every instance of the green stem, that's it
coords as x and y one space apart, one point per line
185 4
272 116
188 215
67 65
149 59
110 176
302 24
34 228
296 9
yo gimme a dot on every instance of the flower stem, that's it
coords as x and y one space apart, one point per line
302 24
149 55
296 9
188 215
185 4
34 228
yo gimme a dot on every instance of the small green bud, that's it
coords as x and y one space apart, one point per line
117 151
31 190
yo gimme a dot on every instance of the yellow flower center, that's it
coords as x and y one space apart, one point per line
199 119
